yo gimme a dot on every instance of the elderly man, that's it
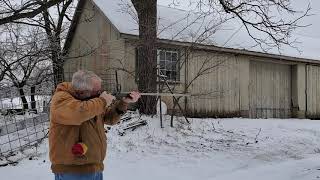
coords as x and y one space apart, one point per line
77 139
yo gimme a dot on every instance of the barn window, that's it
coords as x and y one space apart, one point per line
168 60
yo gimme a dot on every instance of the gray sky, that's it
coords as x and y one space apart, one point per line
312 31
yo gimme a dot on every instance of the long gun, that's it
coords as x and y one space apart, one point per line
127 94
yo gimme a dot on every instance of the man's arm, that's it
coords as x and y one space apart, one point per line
113 113
67 110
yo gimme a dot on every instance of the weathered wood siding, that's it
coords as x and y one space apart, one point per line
95 46
313 92
270 90
217 87
129 68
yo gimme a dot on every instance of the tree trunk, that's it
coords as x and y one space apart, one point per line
55 48
33 100
23 99
58 70
57 61
147 54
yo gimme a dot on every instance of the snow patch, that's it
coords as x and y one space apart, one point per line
207 149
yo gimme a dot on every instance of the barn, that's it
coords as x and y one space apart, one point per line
224 78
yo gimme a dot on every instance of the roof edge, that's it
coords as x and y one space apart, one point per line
229 50
74 24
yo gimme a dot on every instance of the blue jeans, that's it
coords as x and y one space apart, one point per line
71 176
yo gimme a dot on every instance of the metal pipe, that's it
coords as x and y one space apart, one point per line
123 94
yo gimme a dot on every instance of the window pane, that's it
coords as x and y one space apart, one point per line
169 65
175 66
169 75
162 55
168 56
174 57
162 64
174 75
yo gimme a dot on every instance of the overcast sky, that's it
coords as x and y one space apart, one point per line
312 31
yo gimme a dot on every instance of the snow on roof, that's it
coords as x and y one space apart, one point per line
180 25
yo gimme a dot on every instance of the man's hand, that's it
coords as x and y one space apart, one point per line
133 97
108 97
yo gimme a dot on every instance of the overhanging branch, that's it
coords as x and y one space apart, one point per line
19 14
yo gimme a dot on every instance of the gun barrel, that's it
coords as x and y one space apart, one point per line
124 94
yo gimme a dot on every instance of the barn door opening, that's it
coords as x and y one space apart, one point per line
270 90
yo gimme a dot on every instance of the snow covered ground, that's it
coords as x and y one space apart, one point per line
16 103
208 149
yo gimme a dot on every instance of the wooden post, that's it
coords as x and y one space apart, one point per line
159 98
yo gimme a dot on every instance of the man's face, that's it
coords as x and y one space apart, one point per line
96 91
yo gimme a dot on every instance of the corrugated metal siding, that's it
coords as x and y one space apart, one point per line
219 86
313 91
270 90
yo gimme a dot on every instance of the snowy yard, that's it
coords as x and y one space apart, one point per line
208 149
16 103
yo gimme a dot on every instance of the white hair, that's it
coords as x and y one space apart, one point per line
82 80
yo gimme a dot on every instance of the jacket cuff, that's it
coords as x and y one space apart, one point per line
104 101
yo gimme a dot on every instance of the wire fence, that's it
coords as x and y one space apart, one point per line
24 117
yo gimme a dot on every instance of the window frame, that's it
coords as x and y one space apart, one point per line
177 78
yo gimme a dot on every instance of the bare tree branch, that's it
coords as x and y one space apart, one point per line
255 16
30 9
